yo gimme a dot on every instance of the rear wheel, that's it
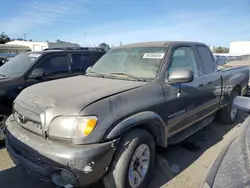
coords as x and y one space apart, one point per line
229 114
133 161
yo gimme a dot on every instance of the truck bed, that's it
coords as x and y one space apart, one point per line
233 74
234 64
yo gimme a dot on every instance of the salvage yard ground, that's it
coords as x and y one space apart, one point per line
191 158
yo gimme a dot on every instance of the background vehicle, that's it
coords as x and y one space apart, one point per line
3 60
31 68
108 122
4 57
231 167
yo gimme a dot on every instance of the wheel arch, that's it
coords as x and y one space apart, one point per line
148 120
237 88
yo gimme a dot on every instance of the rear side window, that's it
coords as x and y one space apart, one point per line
83 61
59 64
206 58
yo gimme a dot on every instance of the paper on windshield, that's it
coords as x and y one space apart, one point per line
153 55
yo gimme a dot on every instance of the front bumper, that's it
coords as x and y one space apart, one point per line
86 163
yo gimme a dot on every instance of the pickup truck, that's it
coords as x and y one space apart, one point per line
106 124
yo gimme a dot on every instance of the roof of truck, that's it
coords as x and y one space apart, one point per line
75 49
157 44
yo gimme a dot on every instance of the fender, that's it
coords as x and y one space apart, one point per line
148 120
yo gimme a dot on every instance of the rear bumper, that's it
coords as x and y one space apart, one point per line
85 164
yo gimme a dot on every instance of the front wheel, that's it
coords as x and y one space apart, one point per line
133 161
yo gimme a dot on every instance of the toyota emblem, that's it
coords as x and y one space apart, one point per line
21 119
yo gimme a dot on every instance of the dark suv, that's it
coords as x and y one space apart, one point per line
31 68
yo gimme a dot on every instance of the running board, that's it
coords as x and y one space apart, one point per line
190 130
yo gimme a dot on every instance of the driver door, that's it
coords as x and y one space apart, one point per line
55 67
183 101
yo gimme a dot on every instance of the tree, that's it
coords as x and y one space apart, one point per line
225 50
20 39
104 46
59 41
4 38
221 50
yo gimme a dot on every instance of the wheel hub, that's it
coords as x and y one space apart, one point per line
139 166
233 113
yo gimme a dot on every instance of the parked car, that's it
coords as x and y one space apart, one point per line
3 60
31 68
107 123
231 168
4 57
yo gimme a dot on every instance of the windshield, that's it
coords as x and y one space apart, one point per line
18 65
143 62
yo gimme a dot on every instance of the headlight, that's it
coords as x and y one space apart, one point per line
68 127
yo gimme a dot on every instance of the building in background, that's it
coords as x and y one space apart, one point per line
39 46
13 49
240 48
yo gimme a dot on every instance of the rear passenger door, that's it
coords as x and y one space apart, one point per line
212 77
81 61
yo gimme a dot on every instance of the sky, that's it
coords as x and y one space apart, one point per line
90 22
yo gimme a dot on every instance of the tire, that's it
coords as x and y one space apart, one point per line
132 142
225 114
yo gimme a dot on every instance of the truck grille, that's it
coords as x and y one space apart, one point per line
28 119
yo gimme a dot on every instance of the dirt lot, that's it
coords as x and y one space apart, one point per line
191 158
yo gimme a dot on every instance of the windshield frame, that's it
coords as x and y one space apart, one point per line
121 77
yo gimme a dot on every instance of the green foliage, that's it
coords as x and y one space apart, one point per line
104 46
221 50
4 38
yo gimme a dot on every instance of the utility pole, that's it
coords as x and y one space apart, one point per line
85 38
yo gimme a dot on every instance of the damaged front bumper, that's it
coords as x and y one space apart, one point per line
65 164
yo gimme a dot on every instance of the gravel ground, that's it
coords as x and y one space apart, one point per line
184 165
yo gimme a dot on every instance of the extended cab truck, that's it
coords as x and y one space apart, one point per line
107 123
31 68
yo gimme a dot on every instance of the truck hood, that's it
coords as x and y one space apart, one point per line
70 95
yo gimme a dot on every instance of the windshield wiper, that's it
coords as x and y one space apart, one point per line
96 73
2 75
128 75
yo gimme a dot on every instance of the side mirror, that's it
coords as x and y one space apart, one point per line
181 76
37 73
87 70
242 103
